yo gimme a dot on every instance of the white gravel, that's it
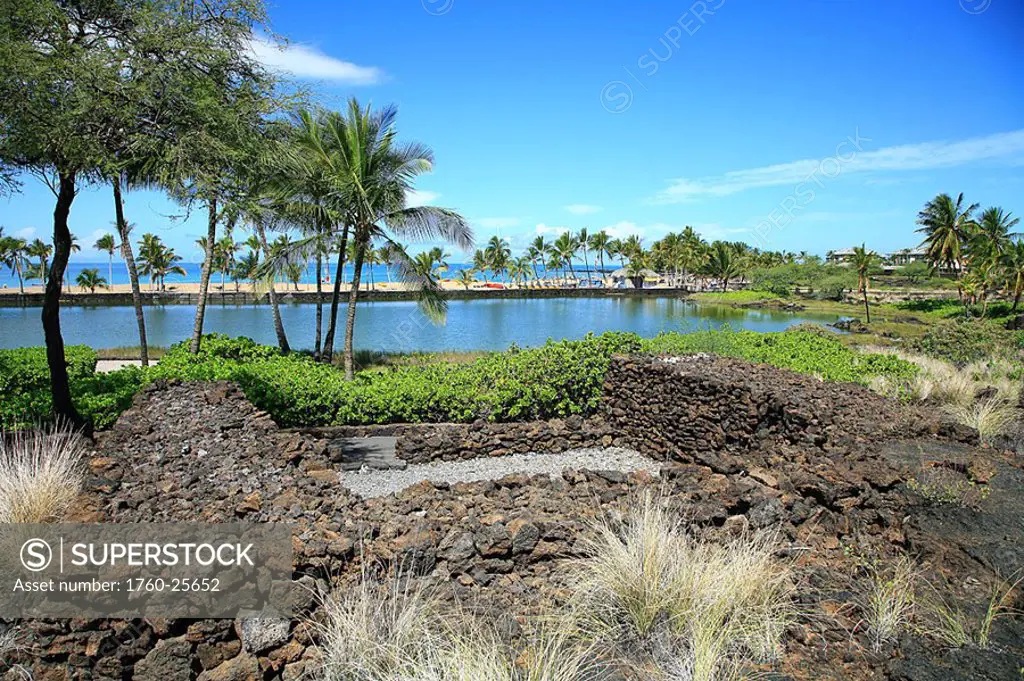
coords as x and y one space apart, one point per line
105 366
377 483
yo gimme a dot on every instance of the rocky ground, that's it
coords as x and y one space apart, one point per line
739 446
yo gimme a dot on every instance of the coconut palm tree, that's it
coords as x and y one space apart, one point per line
480 262
90 279
158 260
863 262
466 277
12 254
498 255
535 252
947 226
1013 267
723 263
106 244
615 251
372 173
583 241
566 246
75 247
599 245
42 251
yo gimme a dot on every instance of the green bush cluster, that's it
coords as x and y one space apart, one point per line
25 381
560 378
962 341
801 350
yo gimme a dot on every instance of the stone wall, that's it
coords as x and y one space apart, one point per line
424 442
745 446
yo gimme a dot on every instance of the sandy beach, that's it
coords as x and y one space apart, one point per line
215 287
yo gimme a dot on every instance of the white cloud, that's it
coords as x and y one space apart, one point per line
497 223
1007 146
543 229
303 61
419 197
583 209
27 234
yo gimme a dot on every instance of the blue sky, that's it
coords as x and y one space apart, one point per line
789 124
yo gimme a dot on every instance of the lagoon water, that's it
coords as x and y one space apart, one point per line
491 324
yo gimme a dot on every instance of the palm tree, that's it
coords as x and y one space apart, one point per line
583 241
599 242
158 260
466 277
863 261
536 251
722 263
498 255
106 244
615 251
247 268
480 262
124 230
90 279
1013 262
566 247
373 173
74 248
947 226
12 254
42 251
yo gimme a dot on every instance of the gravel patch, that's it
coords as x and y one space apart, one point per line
105 366
376 483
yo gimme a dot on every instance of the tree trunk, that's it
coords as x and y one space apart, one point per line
332 322
350 313
21 280
133 273
282 338
110 268
1016 297
204 277
867 309
319 303
60 387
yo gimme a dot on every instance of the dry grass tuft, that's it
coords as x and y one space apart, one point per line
400 632
700 609
376 632
40 475
991 417
952 626
890 601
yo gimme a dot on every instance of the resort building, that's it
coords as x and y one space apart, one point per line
905 256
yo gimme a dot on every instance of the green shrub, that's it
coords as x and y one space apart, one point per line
560 378
962 341
808 352
25 381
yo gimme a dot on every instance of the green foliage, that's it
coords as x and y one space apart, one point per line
558 379
834 286
962 341
25 381
798 350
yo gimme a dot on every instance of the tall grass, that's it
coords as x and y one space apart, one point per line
890 601
377 632
402 632
991 417
40 475
982 395
699 609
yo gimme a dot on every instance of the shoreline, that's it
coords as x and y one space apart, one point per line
118 298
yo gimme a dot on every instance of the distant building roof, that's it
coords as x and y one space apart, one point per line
846 251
